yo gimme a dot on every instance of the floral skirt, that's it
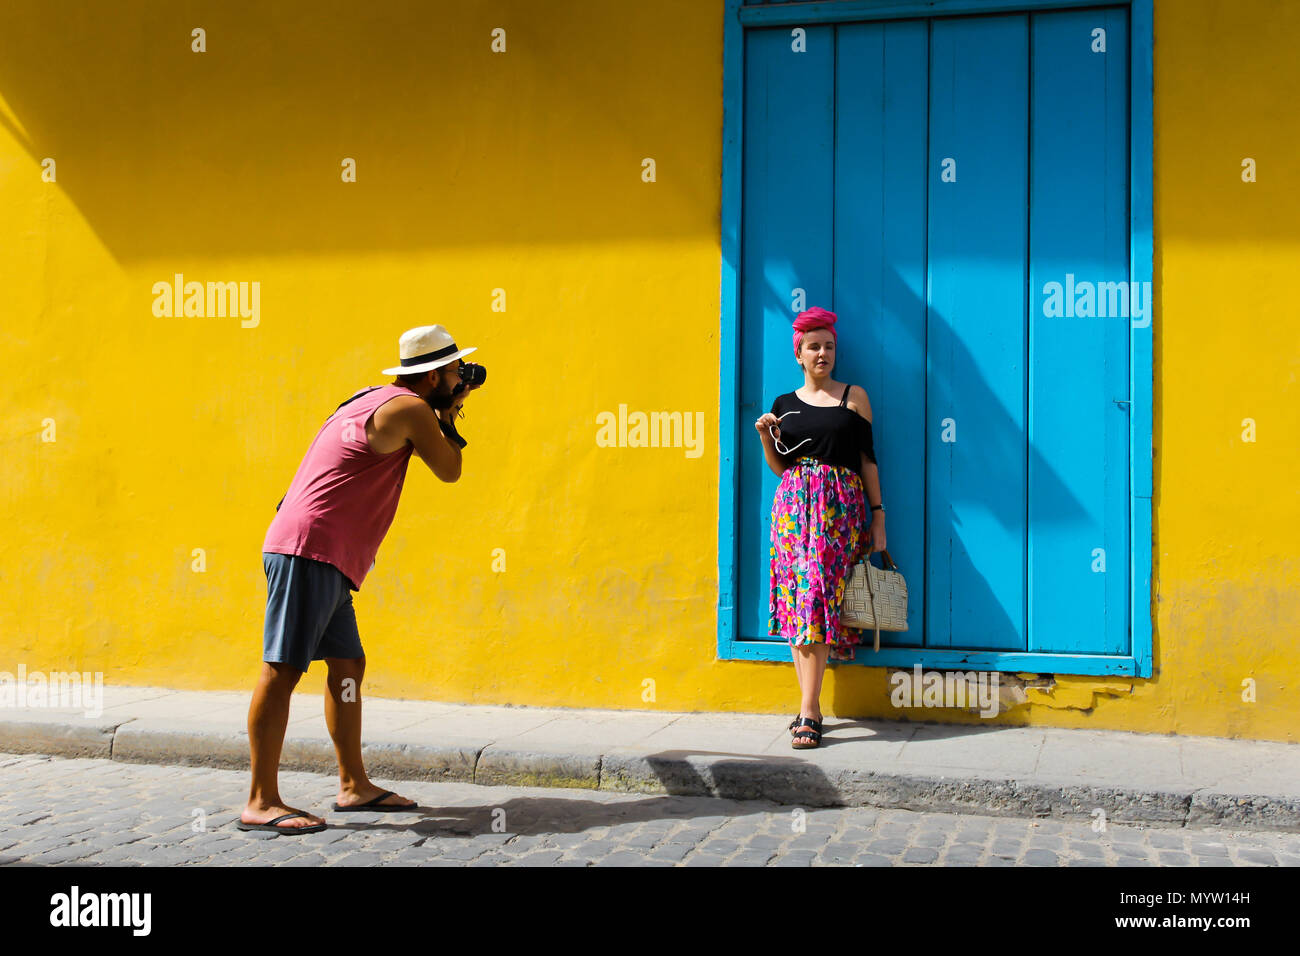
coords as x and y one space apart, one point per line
818 534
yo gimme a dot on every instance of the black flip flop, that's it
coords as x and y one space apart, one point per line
271 825
374 806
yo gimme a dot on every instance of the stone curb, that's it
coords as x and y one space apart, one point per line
87 739
807 785
783 780
512 768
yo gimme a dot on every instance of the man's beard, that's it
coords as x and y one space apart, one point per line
439 402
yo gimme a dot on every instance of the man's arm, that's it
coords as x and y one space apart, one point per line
416 422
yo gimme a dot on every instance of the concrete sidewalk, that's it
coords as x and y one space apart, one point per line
1134 778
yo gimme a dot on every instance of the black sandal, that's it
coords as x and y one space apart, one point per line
815 734
795 723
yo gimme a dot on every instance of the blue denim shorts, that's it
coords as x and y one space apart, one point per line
309 614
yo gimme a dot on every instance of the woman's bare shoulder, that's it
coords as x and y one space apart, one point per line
859 402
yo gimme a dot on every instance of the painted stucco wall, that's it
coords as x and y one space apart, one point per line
522 171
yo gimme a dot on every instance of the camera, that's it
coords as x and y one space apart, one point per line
472 374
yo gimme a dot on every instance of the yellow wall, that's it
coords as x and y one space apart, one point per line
522 171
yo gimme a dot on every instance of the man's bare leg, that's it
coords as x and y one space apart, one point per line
268 716
343 718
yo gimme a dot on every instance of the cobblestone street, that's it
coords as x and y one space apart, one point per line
88 812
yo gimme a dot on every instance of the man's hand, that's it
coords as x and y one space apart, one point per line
459 401
449 413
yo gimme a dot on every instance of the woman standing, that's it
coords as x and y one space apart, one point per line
818 441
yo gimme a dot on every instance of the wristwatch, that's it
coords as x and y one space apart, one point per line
879 507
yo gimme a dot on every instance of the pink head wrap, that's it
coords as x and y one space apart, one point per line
813 318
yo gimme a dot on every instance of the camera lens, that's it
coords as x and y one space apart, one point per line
472 374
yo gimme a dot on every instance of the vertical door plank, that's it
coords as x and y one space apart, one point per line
1078 434
977 338
786 244
881 95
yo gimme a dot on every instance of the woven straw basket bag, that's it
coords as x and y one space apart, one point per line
875 597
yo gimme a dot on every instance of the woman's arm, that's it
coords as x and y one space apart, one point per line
871 484
775 460
870 473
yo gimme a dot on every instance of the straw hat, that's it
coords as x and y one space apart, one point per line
424 348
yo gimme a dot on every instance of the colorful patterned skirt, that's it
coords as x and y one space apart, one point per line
818 534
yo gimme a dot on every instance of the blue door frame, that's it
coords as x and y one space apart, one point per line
1138 662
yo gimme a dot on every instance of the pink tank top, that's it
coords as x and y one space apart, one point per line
343 496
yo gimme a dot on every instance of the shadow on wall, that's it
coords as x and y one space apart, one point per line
238 150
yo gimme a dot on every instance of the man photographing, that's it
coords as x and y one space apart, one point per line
319 548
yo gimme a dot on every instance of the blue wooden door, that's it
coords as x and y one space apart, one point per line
927 180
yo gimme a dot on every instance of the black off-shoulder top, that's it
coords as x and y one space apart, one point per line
836 434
